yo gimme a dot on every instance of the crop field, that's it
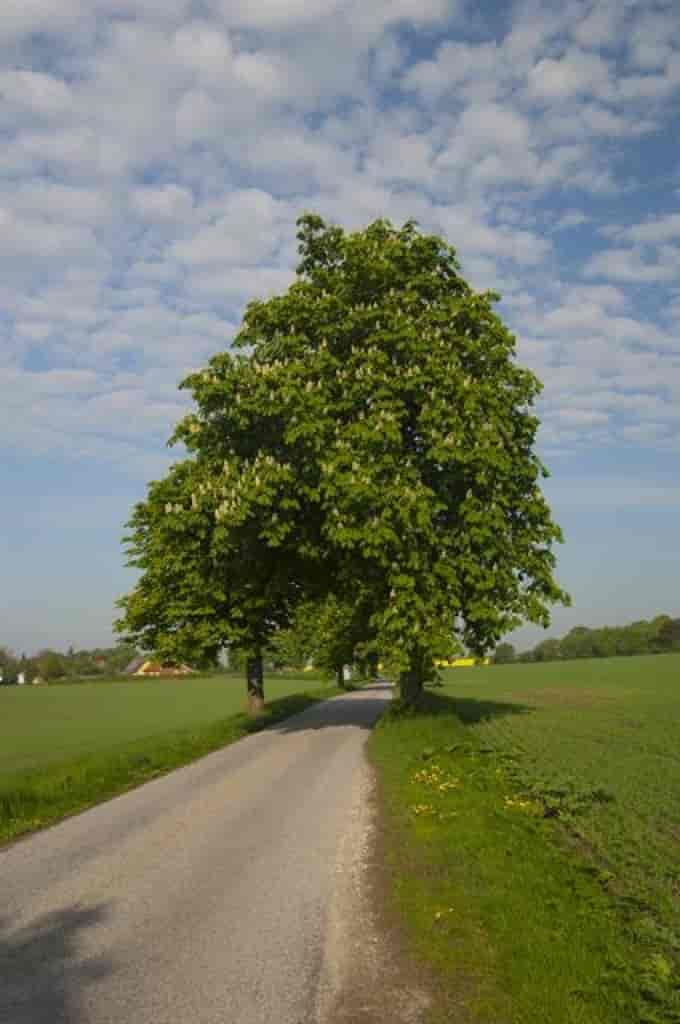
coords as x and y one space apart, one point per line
64 747
534 816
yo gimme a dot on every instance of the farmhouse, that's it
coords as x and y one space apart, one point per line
142 666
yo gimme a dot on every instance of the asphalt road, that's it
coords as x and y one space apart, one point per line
201 897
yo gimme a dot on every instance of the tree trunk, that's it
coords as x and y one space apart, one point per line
411 688
255 684
412 681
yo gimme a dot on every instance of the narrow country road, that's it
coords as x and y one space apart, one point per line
200 898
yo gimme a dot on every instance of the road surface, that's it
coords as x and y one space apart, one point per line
200 898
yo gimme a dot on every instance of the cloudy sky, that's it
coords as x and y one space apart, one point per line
154 157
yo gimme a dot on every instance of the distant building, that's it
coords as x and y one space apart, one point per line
152 668
461 662
136 663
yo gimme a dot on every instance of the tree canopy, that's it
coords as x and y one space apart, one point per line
370 431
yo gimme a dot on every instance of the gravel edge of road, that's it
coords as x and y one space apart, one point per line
365 977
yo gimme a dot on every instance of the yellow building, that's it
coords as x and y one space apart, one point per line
461 662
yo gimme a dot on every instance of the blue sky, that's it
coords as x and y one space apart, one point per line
154 157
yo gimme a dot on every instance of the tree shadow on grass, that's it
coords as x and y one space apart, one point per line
470 710
42 971
300 712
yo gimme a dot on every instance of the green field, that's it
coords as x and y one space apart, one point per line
543 880
64 747
41 725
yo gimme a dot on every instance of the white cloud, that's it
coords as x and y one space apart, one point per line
571 219
654 232
594 120
652 39
264 74
49 199
631 265
455 66
167 203
240 284
35 92
154 168
39 238
204 49
278 15
247 231
582 417
490 144
576 73
601 26
19 17
197 117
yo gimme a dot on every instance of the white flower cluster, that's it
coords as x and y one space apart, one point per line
249 478
265 369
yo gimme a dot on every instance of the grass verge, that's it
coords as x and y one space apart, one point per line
518 921
43 797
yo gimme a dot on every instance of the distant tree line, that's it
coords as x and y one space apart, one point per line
51 665
654 636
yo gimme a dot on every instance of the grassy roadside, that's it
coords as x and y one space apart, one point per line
517 918
32 800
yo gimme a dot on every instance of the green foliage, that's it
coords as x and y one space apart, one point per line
668 637
50 665
329 633
372 430
9 665
547 650
504 654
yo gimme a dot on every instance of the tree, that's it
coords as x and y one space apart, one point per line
9 666
213 574
669 635
547 650
504 654
578 643
373 428
428 478
50 665
332 633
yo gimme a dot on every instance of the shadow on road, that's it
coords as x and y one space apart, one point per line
359 708
42 977
363 707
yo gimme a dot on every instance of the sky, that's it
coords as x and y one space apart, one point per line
154 156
